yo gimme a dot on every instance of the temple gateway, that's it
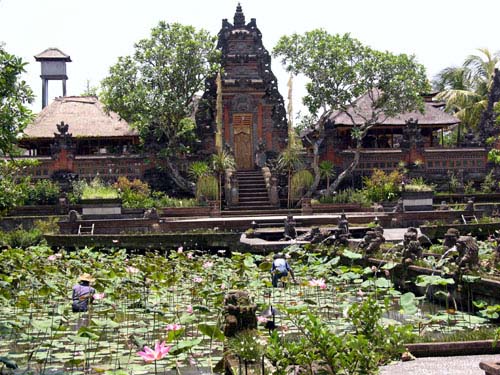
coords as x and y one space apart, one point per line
253 112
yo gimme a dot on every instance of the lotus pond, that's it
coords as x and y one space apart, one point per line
177 297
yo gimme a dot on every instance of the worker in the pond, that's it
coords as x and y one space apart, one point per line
280 268
82 293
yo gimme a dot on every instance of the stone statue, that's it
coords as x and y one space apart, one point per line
412 250
343 224
399 207
239 312
468 253
450 238
73 216
151 214
469 207
260 155
371 242
290 231
443 206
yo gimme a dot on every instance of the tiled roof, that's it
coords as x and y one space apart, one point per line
52 53
85 116
431 116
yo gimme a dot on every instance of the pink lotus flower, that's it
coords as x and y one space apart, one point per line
318 282
189 309
262 319
374 269
360 293
99 295
149 355
197 279
387 273
222 286
173 327
54 257
131 269
190 256
180 249
208 264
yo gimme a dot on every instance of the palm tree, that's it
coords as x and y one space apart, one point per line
465 89
326 171
221 162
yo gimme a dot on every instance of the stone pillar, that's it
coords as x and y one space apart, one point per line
239 312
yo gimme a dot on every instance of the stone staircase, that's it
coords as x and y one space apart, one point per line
253 194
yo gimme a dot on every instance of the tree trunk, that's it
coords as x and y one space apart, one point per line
315 167
348 171
180 181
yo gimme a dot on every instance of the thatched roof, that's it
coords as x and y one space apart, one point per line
85 116
52 54
432 116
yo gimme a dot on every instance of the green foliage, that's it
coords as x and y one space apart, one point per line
347 196
453 183
14 95
96 189
381 186
489 184
418 184
326 171
246 345
494 156
48 226
43 192
301 181
469 187
21 238
207 187
465 88
367 345
13 184
198 169
154 89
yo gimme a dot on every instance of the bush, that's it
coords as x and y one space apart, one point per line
347 196
207 187
48 226
489 183
43 192
20 238
381 186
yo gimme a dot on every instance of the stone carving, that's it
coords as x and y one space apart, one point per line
274 192
260 155
62 141
468 253
343 224
443 206
412 250
73 216
151 214
450 238
399 207
290 232
412 136
469 207
239 311
315 235
371 242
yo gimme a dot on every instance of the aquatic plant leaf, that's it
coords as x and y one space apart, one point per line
211 331
9 363
185 345
265 266
408 303
351 255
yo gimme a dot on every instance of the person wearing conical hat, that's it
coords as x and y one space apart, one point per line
82 293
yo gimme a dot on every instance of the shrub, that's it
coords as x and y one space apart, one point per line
207 187
347 196
381 186
43 192
20 238
301 181
489 183
97 189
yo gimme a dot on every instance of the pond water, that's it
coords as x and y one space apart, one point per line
176 298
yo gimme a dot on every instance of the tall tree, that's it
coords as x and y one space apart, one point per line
340 69
14 96
154 89
465 88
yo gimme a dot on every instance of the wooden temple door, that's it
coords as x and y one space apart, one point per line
243 145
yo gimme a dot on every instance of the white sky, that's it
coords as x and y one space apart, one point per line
94 33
